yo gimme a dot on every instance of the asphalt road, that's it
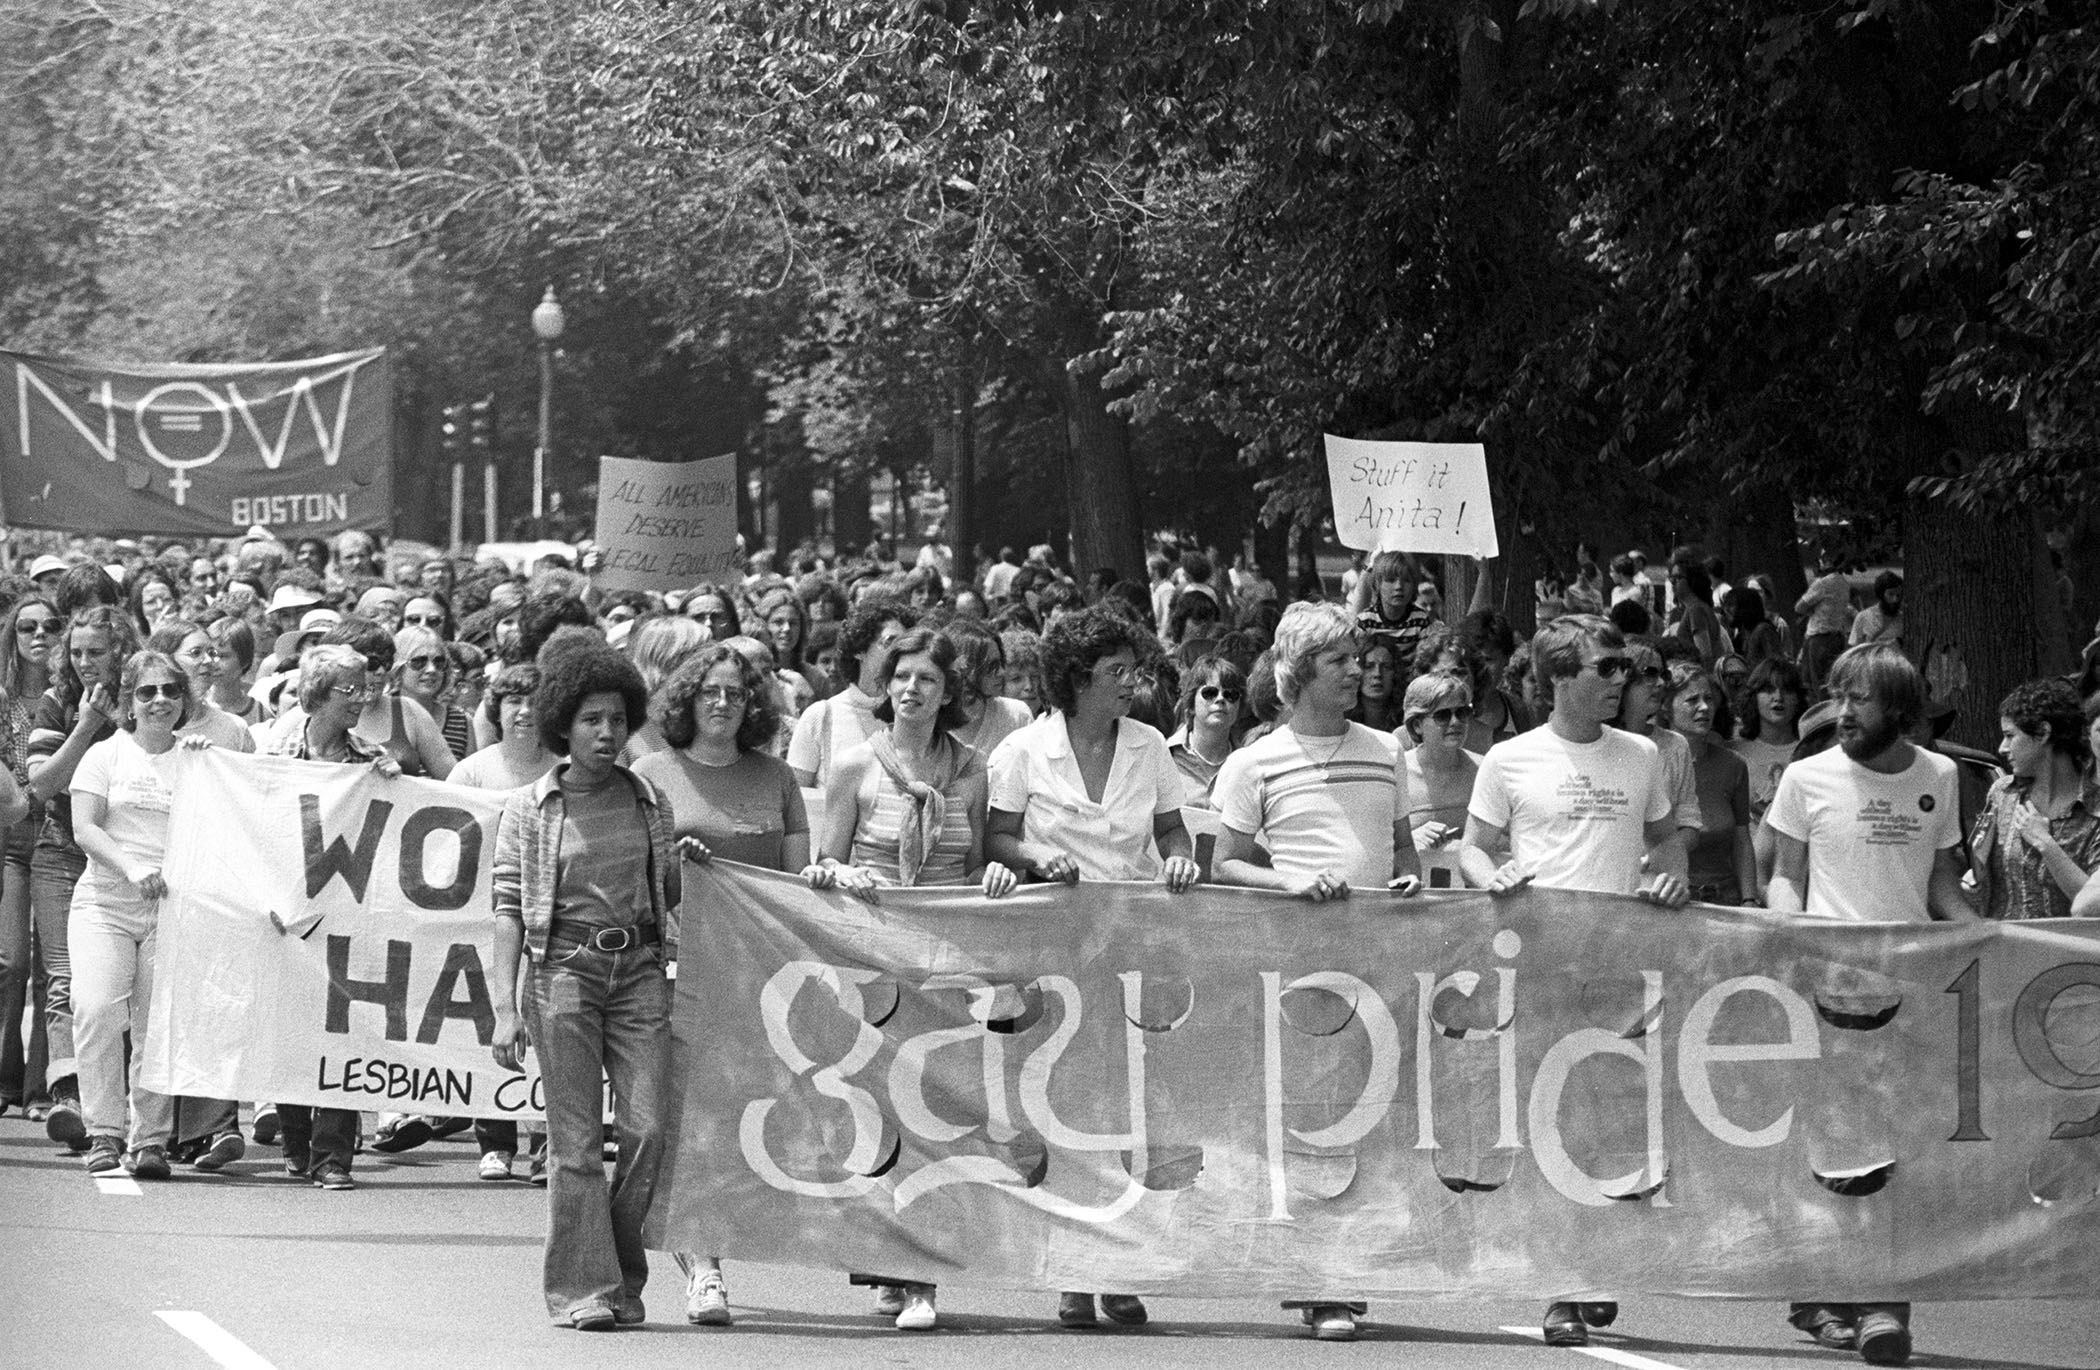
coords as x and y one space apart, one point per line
425 1265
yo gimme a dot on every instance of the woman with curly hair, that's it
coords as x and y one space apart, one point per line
2037 842
586 890
1023 681
731 799
78 710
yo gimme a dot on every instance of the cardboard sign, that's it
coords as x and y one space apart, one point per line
665 525
1411 496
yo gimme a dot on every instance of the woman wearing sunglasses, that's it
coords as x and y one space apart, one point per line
1210 704
120 795
423 673
27 635
429 609
1440 771
1640 702
718 712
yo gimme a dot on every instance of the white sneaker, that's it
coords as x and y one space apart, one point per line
707 1298
918 1314
495 1165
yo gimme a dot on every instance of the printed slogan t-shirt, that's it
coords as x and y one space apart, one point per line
1576 812
134 786
1871 837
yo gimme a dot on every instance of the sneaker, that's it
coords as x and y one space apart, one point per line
592 1317
1332 1322
1564 1326
1831 1327
1126 1310
63 1124
1598 1314
707 1298
104 1154
333 1175
448 1127
1883 1339
889 1300
150 1163
630 1312
401 1134
918 1314
1075 1309
536 1173
265 1131
495 1165
225 1149
36 1112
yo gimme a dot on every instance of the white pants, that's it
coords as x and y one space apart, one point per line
112 945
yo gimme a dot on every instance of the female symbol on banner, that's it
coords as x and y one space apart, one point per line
175 420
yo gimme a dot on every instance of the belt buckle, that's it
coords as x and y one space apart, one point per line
601 939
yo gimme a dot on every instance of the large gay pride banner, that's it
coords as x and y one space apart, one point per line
1112 1087
301 446
327 939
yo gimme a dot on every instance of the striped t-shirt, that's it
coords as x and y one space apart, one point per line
1321 803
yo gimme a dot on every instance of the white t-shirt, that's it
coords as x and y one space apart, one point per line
221 727
1576 812
1034 774
1324 804
1872 838
831 728
1679 779
134 787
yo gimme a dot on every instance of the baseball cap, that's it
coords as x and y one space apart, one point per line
45 565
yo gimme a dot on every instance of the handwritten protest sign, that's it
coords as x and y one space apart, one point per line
1411 496
327 939
665 525
1225 1092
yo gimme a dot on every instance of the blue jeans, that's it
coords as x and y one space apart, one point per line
312 1136
53 871
593 1014
18 1055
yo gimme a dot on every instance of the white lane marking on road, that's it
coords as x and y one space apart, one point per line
1603 1353
214 1340
121 1185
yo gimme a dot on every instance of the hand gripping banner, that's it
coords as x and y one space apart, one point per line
327 939
301 447
1110 1087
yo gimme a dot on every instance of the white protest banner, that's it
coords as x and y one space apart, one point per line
1411 496
327 939
665 525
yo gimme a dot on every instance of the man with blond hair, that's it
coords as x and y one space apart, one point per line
1329 797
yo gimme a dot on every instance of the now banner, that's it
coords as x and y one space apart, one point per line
303 447
327 939
1111 1087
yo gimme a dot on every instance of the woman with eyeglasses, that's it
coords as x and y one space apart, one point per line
334 683
423 673
78 710
399 726
1211 692
120 792
1722 865
907 807
431 609
712 608
28 634
1438 711
202 660
152 596
733 800
1378 693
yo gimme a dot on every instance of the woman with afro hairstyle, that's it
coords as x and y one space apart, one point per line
586 880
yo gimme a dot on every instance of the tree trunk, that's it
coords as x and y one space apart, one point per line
1978 609
1100 488
795 510
852 525
1758 535
962 482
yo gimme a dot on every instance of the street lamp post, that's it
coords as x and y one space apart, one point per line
547 322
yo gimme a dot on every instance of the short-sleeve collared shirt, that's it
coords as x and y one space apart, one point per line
1034 774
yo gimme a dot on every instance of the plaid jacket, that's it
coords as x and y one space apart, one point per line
528 859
